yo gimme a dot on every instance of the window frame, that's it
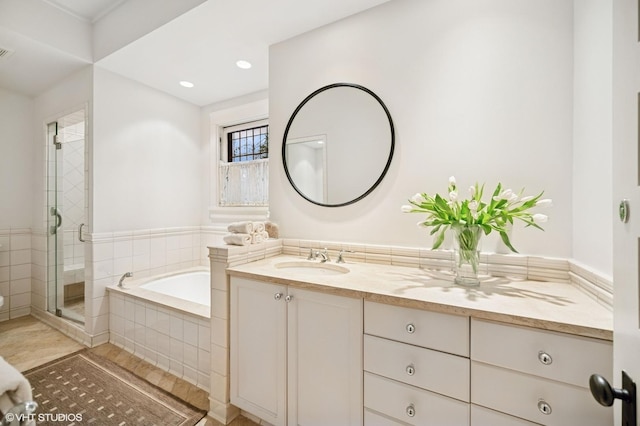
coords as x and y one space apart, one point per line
225 144
221 216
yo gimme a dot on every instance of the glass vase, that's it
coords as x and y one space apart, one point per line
467 254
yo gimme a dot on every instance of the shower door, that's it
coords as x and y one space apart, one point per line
65 217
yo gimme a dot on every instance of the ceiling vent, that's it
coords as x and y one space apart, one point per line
5 53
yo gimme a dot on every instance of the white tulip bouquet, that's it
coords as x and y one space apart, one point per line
501 210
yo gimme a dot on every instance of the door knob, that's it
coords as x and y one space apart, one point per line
605 394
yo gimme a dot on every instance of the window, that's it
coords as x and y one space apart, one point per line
244 166
247 144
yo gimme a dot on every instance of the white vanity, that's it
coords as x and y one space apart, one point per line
393 345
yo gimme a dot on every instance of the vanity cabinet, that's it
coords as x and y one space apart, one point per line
295 355
538 375
416 366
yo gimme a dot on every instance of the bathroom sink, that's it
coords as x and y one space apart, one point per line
312 268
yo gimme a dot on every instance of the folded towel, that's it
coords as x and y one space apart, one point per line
260 237
14 387
241 227
272 229
258 227
237 239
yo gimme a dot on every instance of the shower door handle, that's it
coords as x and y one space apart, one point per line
80 233
56 213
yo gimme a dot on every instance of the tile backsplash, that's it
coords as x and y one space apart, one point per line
513 266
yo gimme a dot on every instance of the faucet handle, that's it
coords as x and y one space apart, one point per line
312 254
341 257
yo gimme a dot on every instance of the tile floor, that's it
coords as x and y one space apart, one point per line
26 343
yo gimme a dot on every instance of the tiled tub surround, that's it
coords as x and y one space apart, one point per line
169 332
549 294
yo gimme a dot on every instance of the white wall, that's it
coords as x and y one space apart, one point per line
147 166
592 142
480 90
16 160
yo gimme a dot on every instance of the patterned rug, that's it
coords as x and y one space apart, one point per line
84 388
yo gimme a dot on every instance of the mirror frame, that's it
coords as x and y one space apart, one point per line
290 122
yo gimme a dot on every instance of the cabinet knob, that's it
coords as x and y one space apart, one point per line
411 410
277 296
411 370
410 328
544 407
288 298
544 358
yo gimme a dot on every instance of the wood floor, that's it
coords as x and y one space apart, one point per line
26 342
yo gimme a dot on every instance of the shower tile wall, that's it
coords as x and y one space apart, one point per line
74 201
15 272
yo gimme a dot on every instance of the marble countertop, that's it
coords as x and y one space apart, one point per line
546 305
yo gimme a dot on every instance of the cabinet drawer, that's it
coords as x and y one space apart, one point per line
443 332
371 418
527 396
432 370
557 356
412 405
481 416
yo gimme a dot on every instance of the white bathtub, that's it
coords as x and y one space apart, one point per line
193 286
166 321
188 290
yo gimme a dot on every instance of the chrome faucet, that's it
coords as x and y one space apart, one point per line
324 254
126 275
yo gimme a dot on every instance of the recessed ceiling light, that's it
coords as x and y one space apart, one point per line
245 65
185 83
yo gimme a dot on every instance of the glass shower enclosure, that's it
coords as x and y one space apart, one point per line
66 212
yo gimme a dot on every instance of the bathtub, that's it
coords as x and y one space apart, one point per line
193 286
165 320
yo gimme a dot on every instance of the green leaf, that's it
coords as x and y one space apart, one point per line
505 240
439 240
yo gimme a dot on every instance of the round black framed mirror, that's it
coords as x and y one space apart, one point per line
338 144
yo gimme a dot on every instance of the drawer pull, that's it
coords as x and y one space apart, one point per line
288 298
545 358
411 410
411 370
277 296
544 407
410 328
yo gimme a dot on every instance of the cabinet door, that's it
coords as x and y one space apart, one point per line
258 324
325 359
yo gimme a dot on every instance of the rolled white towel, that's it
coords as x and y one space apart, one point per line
241 227
14 387
259 237
237 239
258 227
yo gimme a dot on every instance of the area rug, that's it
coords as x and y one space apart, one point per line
83 388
